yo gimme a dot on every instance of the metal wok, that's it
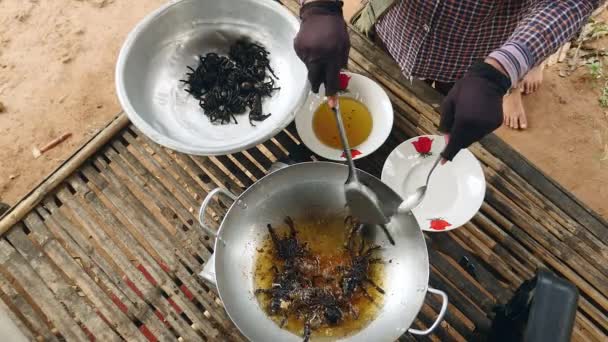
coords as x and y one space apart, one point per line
310 190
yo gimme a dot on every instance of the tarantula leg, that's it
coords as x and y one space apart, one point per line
283 321
371 282
352 311
351 232
348 220
307 331
272 71
361 247
366 294
258 117
351 240
292 226
273 235
370 250
263 291
359 228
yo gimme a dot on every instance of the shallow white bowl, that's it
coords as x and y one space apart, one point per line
365 91
456 190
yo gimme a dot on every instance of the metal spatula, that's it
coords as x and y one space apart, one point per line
362 202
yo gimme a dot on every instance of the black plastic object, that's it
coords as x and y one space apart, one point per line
469 266
541 310
553 309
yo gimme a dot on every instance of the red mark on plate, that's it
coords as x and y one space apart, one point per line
439 224
344 80
353 154
423 146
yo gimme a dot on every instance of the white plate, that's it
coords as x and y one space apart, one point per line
363 90
455 192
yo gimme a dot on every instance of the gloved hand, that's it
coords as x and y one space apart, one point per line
473 107
323 43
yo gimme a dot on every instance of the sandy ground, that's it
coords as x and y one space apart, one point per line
57 75
568 131
568 136
57 62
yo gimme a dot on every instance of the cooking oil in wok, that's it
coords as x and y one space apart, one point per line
355 116
326 239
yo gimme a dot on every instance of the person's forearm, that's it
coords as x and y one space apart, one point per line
550 24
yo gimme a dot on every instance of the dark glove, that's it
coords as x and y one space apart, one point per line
473 107
323 43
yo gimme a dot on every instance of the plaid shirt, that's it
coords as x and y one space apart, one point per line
440 39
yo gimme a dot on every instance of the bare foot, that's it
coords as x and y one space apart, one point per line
532 80
513 109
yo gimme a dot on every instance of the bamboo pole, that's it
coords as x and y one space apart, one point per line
27 203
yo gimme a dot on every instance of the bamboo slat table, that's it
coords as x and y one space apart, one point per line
108 247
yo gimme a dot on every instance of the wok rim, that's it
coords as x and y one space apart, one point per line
161 139
218 270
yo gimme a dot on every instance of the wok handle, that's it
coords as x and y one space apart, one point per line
208 272
206 202
444 309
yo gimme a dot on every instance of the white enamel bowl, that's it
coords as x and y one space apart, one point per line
363 90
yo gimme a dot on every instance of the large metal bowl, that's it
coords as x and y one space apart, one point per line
156 53
314 190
